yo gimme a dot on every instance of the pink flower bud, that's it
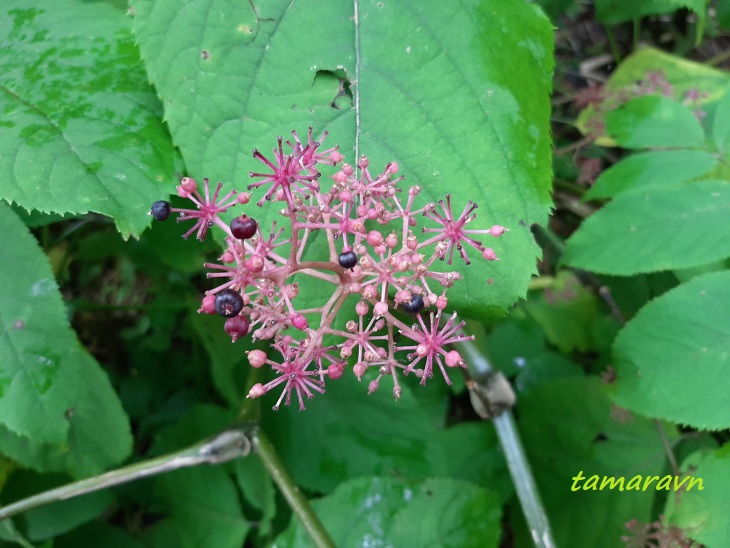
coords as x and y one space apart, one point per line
347 169
391 240
392 168
345 196
489 254
299 322
411 242
373 386
362 308
359 369
442 302
335 157
188 184
497 230
255 263
257 358
362 210
208 305
363 162
369 292
381 308
335 370
454 359
402 296
243 198
257 390
375 238
227 257
372 214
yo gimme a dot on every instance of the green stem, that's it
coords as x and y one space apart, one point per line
298 503
614 45
509 440
225 446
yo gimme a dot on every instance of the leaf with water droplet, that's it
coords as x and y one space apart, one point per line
82 126
44 372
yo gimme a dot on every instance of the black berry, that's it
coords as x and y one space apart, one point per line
228 303
237 327
160 210
348 259
243 227
415 305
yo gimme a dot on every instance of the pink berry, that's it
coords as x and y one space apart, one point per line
243 227
236 327
299 322
497 230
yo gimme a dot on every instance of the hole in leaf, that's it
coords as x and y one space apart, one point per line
338 80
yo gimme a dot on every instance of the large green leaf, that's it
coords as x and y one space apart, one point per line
673 358
655 229
654 122
702 513
80 127
394 512
346 434
654 168
58 410
437 92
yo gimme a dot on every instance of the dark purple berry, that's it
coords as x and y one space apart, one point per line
243 227
237 327
160 210
228 303
348 259
415 305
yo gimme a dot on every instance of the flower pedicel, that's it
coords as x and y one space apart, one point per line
378 259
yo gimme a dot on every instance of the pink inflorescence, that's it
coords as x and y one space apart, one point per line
376 259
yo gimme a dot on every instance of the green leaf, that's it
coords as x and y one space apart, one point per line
227 360
606 441
205 509
673 357
395 512
654 121
234 76
657 229
655 168
98 430
567 313
346 434
257 486
721 124
702 513
684 77
204 506
81 126
57 408
616 11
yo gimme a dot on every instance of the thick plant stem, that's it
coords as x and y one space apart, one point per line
489 404
227 445
297 502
